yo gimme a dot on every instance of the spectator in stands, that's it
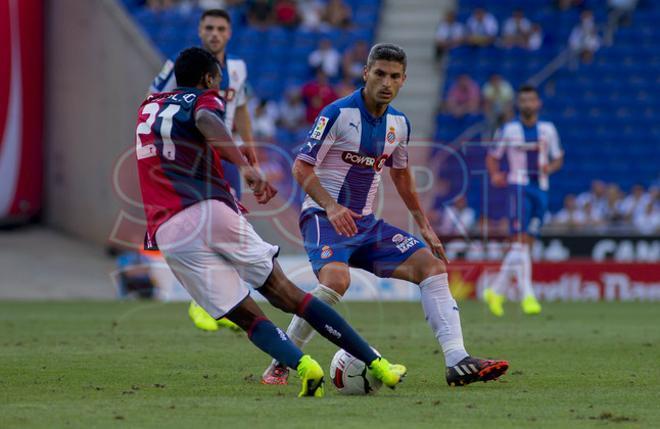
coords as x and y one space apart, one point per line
596 197
634 202
326 57
620 13
482 28
457 219
535 39
354 60
291 111
647 219
584 40
310 12
463 97
497 95
260 13
338 15
158 5
592 216
570 216
263 123
517 30
613 213
317 94
450 34
568 4
286 13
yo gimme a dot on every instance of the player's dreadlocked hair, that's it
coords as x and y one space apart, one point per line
192 65
387 52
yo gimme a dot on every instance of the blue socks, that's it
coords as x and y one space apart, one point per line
272 340
332 326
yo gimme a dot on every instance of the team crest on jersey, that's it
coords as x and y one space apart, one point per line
391 135
326 252
321 123
404 243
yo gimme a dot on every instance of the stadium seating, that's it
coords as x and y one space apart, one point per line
276 57
605 111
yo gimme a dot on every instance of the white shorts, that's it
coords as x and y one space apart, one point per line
216 254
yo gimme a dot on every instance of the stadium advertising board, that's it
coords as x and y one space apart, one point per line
597 248
21 116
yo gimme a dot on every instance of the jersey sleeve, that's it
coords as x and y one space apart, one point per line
499 144
242 93
554 145
165 81
399 158
211 100
321 137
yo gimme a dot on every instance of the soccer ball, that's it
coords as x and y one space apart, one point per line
350 375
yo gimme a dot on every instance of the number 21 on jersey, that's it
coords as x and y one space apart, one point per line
165 131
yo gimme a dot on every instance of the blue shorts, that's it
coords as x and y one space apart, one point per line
378 247
528 205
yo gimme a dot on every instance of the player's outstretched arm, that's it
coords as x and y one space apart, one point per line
405 186
497 178
341 218
244 128
216 133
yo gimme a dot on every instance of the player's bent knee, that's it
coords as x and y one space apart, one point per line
336 277
429 267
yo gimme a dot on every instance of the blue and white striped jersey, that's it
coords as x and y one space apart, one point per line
233 87
528 150
349 147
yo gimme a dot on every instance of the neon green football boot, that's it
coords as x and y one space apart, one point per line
389 374
530 305
201 318
226 323
494 301
311 377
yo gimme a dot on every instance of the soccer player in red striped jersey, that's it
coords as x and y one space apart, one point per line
199 227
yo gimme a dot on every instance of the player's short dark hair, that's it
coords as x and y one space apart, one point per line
216 13
192 65
387 52
528 88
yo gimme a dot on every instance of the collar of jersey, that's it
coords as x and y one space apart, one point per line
363 108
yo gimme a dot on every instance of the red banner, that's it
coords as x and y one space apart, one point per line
566 281
21 108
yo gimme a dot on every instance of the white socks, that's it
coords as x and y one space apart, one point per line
518 263
299 330
442 315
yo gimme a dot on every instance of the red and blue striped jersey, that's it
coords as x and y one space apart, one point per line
176 166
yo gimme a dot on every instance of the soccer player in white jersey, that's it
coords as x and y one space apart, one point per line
339 168
214 33
534 153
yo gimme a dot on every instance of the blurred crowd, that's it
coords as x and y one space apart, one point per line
605 208
310 14
494 98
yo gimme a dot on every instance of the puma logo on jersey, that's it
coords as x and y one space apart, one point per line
357 128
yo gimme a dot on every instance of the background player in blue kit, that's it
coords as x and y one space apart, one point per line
533 153
339 168
214 33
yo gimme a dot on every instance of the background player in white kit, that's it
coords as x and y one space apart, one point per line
214 33
533 153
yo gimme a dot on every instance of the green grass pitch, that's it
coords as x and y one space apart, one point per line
142 364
